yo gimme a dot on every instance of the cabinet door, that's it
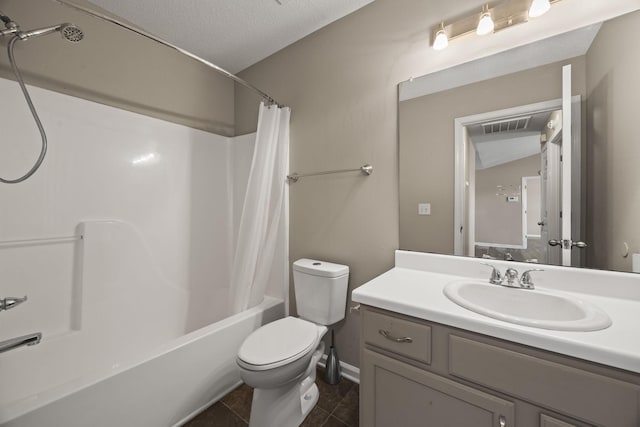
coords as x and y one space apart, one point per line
394 393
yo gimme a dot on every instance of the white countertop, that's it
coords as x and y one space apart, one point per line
415 288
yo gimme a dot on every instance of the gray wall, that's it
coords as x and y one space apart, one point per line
341 84
499 221
613 191
113 66
427 144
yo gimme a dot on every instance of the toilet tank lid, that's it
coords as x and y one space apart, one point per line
320 268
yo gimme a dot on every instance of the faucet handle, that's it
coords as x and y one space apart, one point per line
10 302
526 281
496 277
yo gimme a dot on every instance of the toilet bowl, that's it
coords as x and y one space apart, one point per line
279 352
279 359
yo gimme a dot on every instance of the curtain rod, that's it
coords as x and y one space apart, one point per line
149 36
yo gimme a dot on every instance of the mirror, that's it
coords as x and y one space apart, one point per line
499 204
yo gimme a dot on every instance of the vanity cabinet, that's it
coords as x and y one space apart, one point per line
419 373
403 395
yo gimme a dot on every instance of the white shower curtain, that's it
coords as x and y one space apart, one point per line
263 209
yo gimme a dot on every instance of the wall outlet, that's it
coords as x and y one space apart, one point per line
424 208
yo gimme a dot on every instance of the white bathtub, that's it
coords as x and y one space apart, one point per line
164 389
125 352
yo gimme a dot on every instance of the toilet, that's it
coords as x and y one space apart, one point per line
279 359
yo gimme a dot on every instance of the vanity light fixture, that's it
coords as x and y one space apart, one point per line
539 8
485 25
495 17
441 41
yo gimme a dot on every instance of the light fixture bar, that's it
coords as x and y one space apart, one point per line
505 14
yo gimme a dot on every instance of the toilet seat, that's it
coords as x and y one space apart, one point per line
277 344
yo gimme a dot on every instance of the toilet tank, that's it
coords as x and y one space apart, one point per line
321 290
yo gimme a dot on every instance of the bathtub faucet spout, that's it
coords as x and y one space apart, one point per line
13 343
10 302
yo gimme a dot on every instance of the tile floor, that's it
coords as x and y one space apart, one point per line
337 407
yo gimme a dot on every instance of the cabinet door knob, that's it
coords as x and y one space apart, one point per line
503 421
388 336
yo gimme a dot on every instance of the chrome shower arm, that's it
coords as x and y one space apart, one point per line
39 31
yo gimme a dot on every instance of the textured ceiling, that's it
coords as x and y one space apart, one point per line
233 34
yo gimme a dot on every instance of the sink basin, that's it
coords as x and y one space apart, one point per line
529 307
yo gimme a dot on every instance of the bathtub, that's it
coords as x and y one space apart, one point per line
127 351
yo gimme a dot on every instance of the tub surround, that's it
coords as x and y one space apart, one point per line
123 243
414 287
128 339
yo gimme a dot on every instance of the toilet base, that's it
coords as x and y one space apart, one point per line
289 405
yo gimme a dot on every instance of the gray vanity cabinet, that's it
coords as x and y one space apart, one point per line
419 373
403 395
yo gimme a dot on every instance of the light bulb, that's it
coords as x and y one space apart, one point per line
539 8
485 26
441 41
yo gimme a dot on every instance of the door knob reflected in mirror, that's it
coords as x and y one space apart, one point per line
567 244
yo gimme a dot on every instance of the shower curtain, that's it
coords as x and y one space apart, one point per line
263 209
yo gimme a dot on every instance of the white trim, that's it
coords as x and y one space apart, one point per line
567 145
578 200
543 52
525 208
350 372
459 187
500 245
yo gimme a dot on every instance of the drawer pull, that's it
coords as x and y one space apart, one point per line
388 336
503 421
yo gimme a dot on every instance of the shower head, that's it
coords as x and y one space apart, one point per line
71 33
68 31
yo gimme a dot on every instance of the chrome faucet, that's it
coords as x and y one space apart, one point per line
10 302
511 277
496 277
525 280
13 343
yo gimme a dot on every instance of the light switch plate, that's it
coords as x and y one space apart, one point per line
424 208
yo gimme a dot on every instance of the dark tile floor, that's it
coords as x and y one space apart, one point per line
337 407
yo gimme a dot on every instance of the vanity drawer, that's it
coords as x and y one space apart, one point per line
577 393
548 421
403 337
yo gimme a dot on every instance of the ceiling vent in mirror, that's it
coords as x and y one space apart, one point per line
507 125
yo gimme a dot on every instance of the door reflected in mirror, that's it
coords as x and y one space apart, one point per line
486 154
502 185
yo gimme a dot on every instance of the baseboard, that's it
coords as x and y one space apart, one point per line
349 372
